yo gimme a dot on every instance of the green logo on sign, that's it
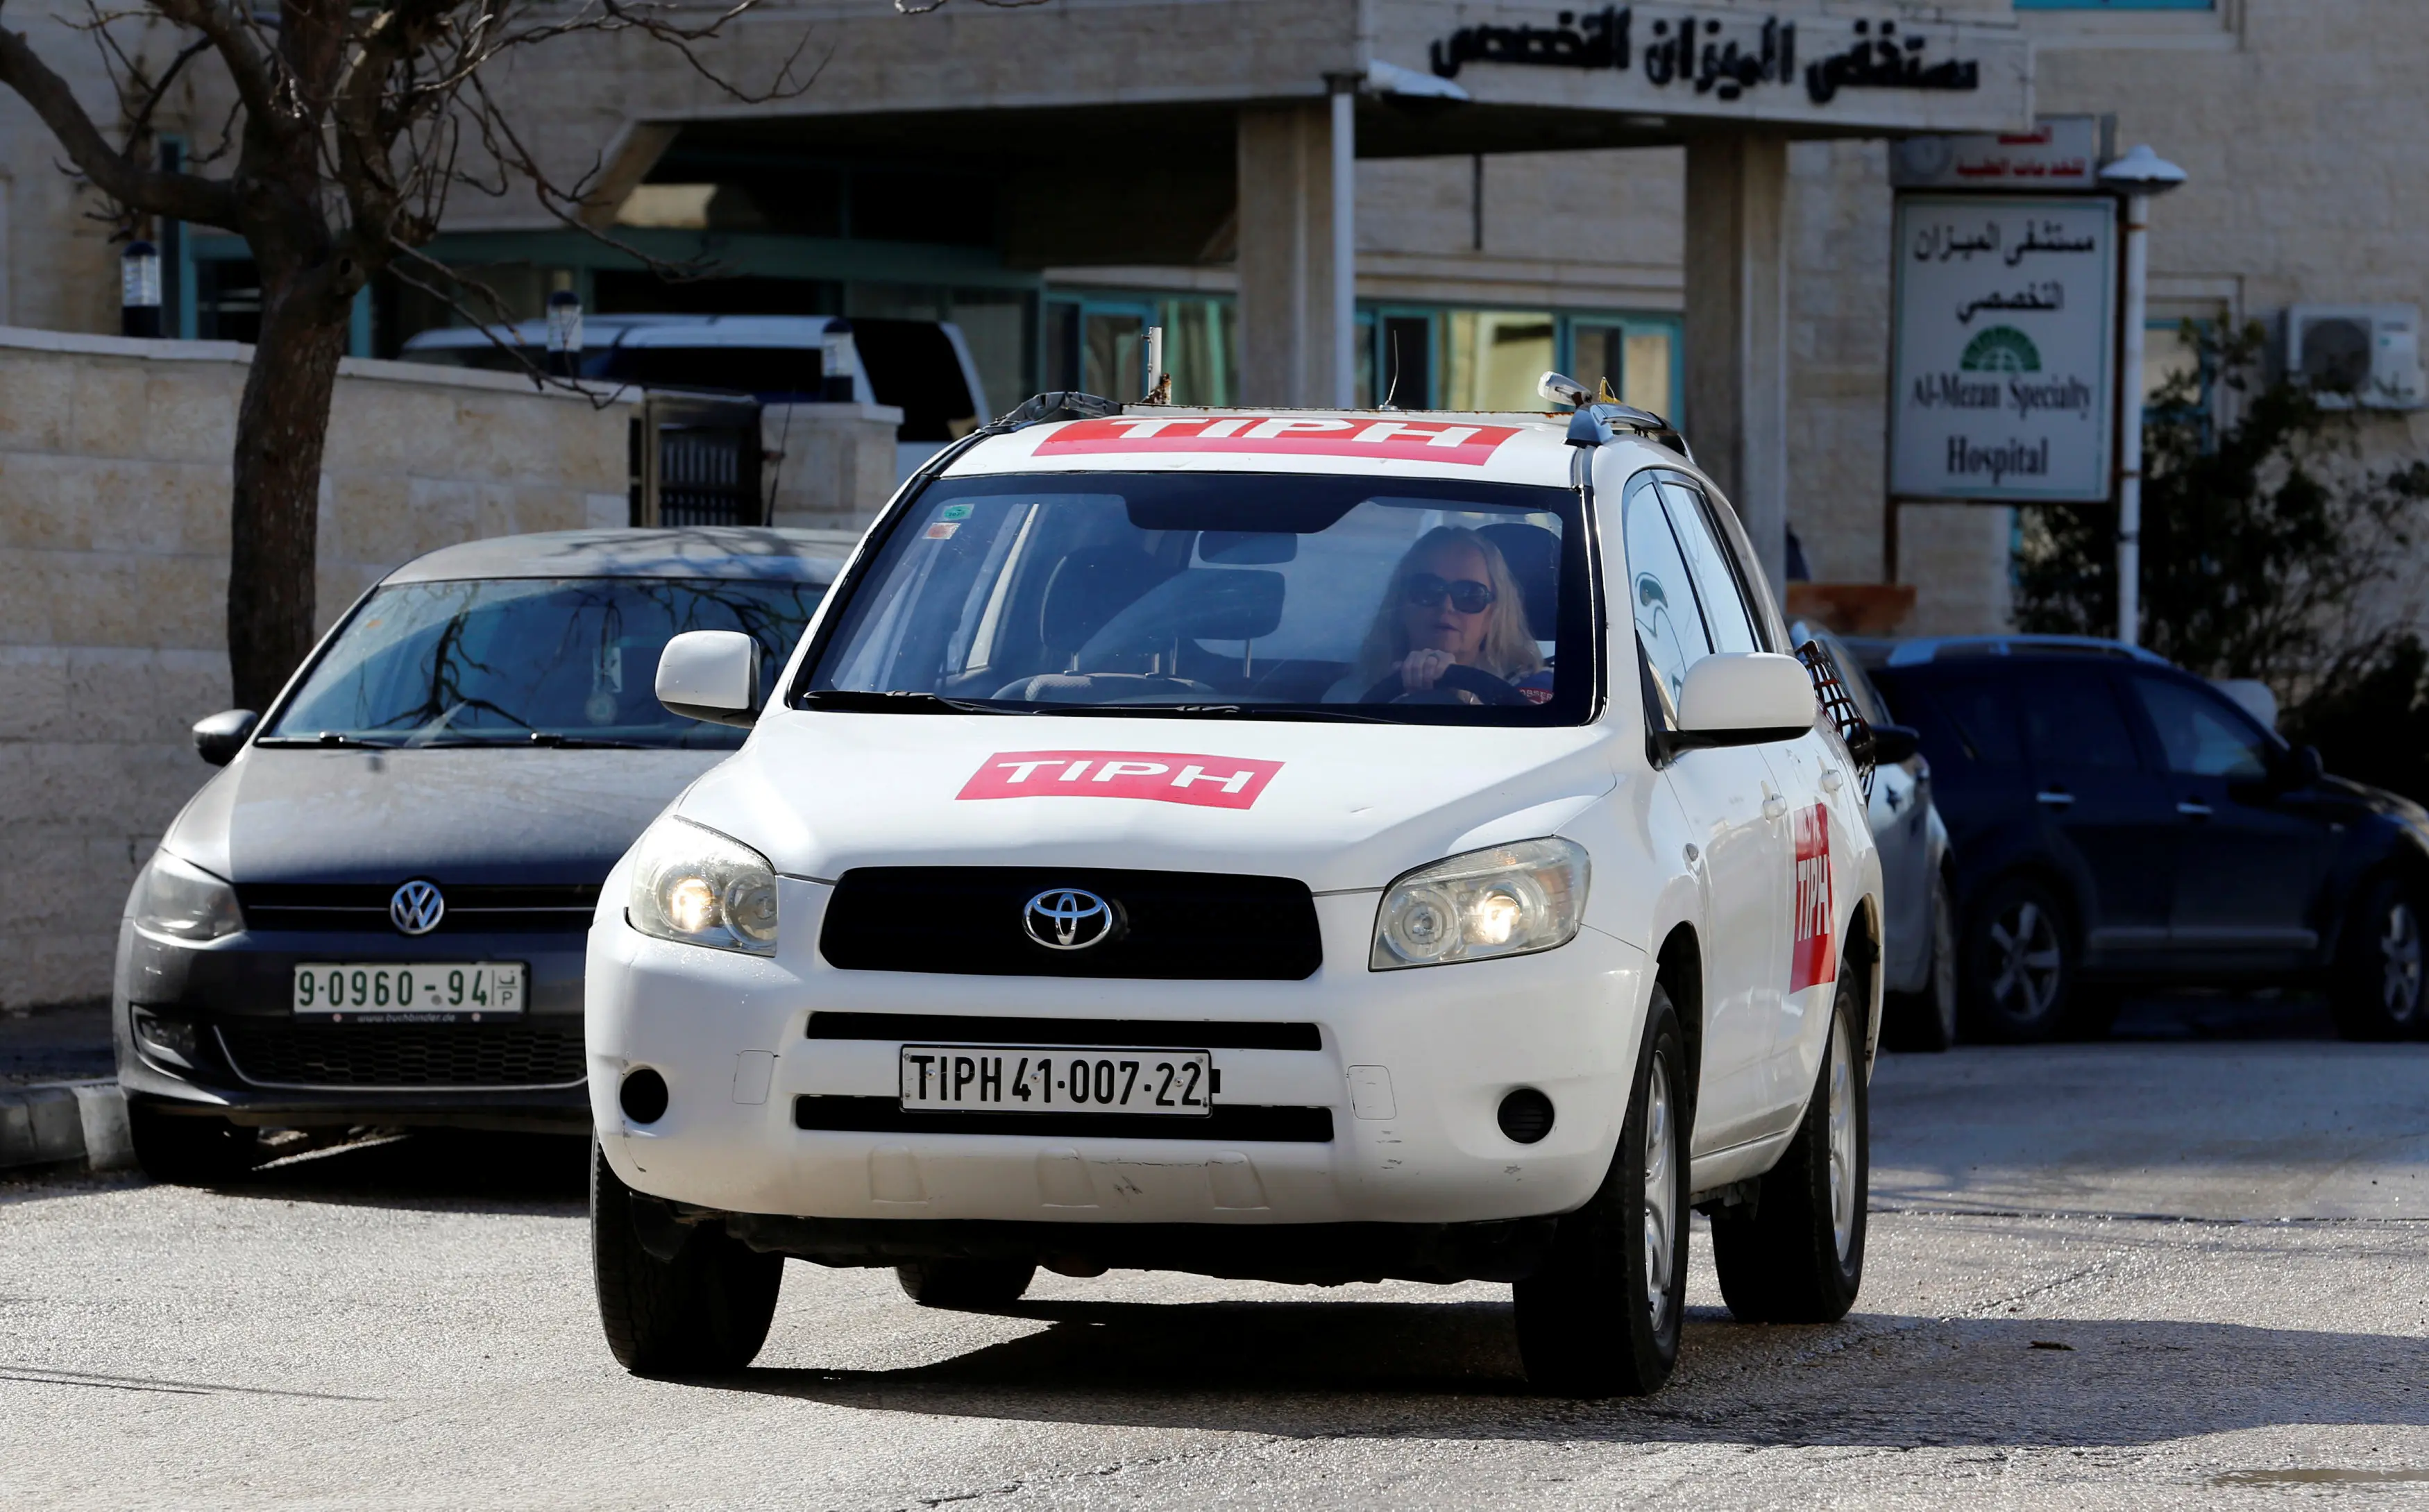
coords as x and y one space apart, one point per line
2001 349
954 512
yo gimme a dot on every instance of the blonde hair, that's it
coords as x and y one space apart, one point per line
1508 650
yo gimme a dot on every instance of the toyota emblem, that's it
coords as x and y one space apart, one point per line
1067 918
416 908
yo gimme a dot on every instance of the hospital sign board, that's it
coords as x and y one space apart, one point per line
2003 371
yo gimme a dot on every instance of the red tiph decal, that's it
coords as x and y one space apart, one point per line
1163 776
1810 959
1402 440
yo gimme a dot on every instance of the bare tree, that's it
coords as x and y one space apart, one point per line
351 122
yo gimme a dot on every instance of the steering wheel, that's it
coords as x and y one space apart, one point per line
1488 688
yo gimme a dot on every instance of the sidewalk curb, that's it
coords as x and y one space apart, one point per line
80 1122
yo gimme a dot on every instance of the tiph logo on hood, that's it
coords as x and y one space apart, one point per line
1164 775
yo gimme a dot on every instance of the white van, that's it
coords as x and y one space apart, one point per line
922 368
1315 845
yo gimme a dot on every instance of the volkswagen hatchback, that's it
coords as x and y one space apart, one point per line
1315 846
375 914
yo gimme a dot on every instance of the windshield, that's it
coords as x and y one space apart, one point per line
553 661
1222 594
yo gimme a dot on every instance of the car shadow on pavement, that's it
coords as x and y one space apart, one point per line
442 1171
1377 1368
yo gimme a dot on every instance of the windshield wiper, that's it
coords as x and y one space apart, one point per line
900 701
330 740
564 742
1270 711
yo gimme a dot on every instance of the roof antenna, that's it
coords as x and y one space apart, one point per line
1392 388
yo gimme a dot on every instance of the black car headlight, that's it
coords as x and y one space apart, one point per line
180 901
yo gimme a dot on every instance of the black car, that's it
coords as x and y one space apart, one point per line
2119 823
377 913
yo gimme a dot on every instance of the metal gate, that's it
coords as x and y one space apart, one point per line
696 461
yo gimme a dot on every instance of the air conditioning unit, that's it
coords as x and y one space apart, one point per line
2366 354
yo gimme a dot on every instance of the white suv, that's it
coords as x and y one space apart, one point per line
1307 846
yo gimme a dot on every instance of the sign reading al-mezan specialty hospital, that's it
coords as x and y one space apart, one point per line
2002 380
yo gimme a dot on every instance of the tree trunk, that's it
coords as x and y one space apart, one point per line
274 515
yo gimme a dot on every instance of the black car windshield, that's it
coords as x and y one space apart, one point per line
1221 594
549 660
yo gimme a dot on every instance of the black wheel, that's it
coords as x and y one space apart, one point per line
703 1312
1797 1254
1601 1316
1926 1020
2378 994
187 1149
2016 963
968 1285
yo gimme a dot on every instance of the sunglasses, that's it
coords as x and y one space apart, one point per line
1466 595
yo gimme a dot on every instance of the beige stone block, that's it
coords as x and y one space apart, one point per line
1956 556
111 415
368 516
190 412
133 506
35 406
45 501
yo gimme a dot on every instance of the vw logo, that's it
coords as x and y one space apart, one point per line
1067 918
416 908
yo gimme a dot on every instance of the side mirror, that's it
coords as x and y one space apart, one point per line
1746 698
217 738
711 675
1892 744
2304 767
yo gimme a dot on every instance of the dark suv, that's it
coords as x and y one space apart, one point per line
2117 822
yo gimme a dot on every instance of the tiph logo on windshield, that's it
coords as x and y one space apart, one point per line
1404 440
1810 958
1164 775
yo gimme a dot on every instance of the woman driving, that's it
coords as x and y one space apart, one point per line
1452 628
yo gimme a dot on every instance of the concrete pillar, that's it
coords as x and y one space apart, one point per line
1736 409
1297 313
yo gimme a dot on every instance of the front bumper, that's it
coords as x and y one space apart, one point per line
253 1062
1405 1075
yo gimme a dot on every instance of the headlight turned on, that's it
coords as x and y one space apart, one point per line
181 901
694 885
1504 900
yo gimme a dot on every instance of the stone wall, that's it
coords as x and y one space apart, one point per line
113 578
830 466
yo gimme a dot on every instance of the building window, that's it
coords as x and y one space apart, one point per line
1094 341
2117 5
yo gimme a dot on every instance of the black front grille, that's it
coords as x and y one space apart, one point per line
967 921
472 908
405 1056
1231 1123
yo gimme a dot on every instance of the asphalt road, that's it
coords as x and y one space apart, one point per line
2180 1271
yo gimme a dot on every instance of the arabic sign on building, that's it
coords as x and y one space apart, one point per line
2002 383
2060 152
1707 60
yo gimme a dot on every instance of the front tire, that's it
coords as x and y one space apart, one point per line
1798 1255
189 1150
1601 1316
2018 963
2378 991
703 1312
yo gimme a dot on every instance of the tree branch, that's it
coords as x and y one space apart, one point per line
178 196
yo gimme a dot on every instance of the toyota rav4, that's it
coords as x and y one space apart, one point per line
1308 846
